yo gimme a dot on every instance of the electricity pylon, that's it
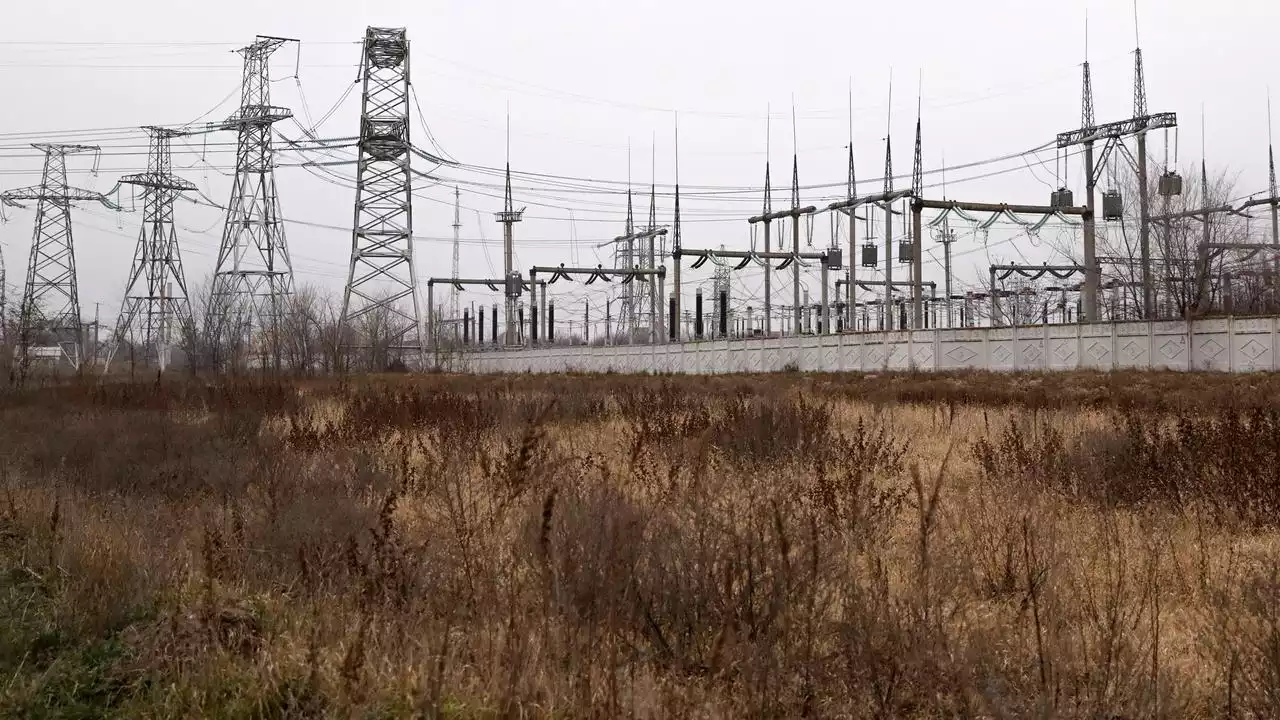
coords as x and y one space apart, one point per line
382 275
253 276
50 311
155 298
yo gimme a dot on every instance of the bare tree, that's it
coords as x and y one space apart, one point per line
217 338
300 330
373 339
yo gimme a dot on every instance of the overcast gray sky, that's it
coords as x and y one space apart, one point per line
585 79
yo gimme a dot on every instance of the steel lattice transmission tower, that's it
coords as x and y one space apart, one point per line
253 276
155 298
50 311
382 273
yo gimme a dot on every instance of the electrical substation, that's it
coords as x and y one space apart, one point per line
849 275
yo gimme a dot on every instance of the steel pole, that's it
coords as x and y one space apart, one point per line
1092 276
542 311
826 301
674 333
995 302
946 260
1144 228
661 309
888 264
533 309
768 283
431 313
917 263
1275 238
852 290
795 265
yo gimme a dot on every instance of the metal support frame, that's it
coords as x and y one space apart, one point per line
628 275
1112 134
494 284
1032 272
155 297
795 213
635 304
745 257
884 200
51 296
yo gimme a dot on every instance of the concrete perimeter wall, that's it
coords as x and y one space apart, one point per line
1223 344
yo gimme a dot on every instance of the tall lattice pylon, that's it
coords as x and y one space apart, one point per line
50 311
155 305
382 277
253 276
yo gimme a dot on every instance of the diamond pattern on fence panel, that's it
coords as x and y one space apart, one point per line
1253 353
830 355
1133 352
923 356
1032 355
1098 352
1001 355
961 355
1064 353
898 358
808 359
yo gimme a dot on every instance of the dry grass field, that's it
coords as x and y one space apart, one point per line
1068 546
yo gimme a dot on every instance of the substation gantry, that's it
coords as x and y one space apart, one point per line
829 260
884 200
1030 272
601 273
504 285
1112 136
879 286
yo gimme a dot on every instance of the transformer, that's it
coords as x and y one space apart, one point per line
835 258
515 285
1062 198
1170 184
870 255
906 252
1112 206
